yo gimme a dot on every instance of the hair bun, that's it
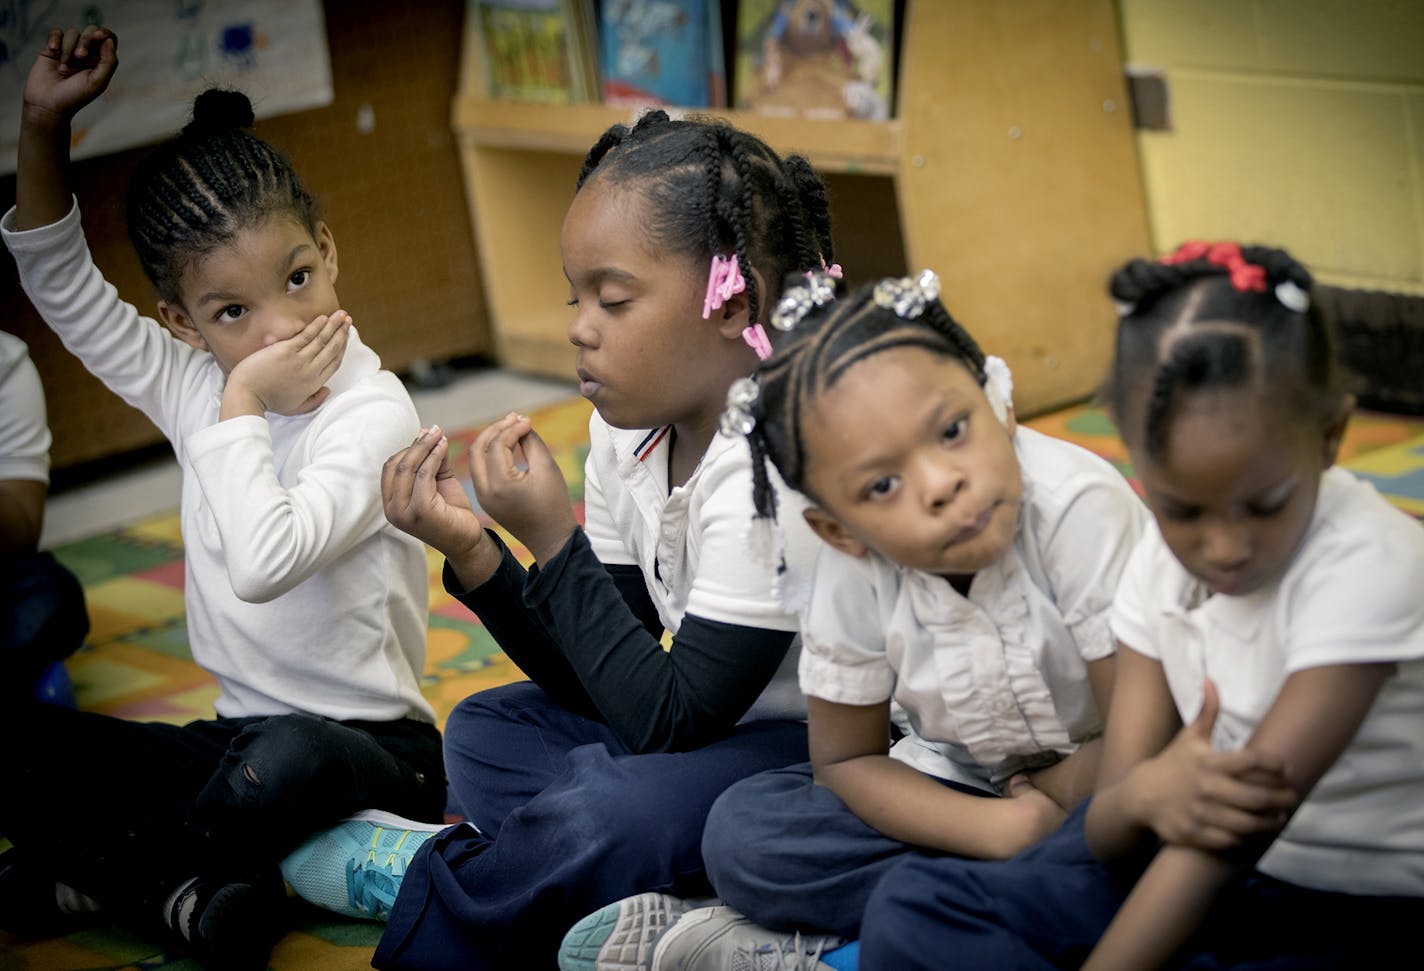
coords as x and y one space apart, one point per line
219 110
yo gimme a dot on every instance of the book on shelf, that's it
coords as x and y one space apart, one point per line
531 50
815 58
662 52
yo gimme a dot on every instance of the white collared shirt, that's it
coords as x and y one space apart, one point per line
995 682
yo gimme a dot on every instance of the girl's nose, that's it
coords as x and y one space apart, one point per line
1226 545
941 481
581 331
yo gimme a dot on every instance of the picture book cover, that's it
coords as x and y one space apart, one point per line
662 52
531 50
815 58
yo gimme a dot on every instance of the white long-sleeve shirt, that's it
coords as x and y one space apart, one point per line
300 596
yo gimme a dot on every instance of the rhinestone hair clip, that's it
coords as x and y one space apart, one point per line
798 301
905 296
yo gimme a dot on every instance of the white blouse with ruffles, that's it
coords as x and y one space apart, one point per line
996 682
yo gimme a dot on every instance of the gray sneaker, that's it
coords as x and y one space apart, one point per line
620 936
720 939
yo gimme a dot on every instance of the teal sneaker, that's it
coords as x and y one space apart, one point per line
620 937
355 868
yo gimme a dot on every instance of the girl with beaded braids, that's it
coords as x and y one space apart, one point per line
304 604
1260 801
590 781
960 595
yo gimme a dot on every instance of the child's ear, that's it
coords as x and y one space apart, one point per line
833 531
734 316
326 245
181 325
1335 429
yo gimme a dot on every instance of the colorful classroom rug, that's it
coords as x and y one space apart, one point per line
136 663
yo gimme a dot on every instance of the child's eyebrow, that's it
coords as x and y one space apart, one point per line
298 250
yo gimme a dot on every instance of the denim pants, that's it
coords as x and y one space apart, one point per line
567 819
789 854
1047 908
43 620
127 811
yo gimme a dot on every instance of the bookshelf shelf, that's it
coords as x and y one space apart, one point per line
1010 169
855 147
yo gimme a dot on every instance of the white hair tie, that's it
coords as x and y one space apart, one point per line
998 387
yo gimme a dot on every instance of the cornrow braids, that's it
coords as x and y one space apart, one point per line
201 189
824 345
1202 322
715 190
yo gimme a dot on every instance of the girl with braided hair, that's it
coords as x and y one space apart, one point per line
960 595
308 608
591 781
1260 801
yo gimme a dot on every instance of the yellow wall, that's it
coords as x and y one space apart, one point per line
1294 122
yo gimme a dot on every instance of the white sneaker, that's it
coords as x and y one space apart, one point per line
620 937
720 939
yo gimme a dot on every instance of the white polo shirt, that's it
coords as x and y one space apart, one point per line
995 682
24 428
1353 594
691 542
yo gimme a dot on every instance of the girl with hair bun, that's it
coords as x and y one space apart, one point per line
303 602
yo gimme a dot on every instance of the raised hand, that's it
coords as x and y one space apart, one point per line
1194 795
518 482
288 377
422 497
73 69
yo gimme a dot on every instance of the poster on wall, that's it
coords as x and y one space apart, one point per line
274 51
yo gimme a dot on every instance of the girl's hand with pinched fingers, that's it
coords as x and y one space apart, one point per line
422 497
288 377
518 482
73 69
1196 796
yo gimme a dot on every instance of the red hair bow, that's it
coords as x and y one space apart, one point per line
1244 276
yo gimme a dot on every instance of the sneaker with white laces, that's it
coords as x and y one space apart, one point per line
620 936
356 867
720 939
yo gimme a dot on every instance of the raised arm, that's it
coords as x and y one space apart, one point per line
73 69
1312 721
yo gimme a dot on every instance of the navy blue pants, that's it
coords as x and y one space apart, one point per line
790 854
568 821
127 811
43 619
1047 907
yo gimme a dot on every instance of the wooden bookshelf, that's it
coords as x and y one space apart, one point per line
1011 165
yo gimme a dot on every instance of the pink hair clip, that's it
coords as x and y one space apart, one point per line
833 271
723 280
756 339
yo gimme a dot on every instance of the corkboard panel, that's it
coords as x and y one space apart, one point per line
393 195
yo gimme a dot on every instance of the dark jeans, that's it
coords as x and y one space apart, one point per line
43 620
789 854
126 811
569 820
1047 907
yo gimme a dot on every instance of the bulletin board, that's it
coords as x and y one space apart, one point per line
274 51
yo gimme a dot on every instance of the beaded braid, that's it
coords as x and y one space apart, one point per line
200 189
1231 336
713 189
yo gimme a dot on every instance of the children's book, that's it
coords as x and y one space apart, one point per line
815 58
662 52
533 50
